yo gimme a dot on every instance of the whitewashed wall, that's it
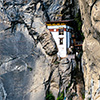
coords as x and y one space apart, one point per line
61 48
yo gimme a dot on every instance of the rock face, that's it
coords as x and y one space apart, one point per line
2 92
23 62
90 12
25 44
21 65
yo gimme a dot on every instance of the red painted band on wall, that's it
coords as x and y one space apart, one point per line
56 30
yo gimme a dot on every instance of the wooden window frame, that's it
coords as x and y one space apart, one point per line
61 31
61 41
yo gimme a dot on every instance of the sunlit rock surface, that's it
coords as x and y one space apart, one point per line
24 63
90 12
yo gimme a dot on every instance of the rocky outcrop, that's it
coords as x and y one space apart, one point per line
90 11
23 63
28 50
3 94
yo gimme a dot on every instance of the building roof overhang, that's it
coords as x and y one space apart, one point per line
62 22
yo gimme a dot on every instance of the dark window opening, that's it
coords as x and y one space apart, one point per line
61 41
70 1
61 31
69 30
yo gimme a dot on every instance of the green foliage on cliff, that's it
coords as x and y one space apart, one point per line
28 67
79 24
79 21
83 95
50 96
56 62
61 96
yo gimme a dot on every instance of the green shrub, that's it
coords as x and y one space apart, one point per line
61 96
79 21
83 95
79 24
29 68
56 62
50 96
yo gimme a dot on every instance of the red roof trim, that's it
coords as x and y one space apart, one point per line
55 30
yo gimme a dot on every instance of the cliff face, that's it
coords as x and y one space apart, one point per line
90 12
23 63
28 51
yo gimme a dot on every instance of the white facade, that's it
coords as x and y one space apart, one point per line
62 40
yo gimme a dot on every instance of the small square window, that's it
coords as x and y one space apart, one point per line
61 31
61 41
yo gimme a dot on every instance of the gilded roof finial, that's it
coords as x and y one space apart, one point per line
59 17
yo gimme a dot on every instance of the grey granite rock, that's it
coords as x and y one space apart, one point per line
91 54
24 63
3 93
